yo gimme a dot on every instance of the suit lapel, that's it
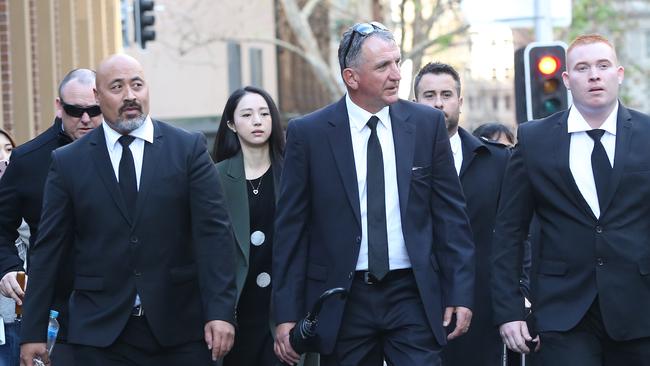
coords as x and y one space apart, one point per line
340 140
470 146
150 160
563 140
404 140
234 188
623 131
102 161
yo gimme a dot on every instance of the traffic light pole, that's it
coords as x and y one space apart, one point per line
138 22
543 25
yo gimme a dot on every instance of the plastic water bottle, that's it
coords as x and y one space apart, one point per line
52 332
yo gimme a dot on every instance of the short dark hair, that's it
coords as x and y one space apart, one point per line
436 68
226 142
83 76
493 131
354 49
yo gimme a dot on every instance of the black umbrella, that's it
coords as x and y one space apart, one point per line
302 336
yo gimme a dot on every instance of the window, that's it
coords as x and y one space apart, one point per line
647 43
495 102
257 75
234 66
507 100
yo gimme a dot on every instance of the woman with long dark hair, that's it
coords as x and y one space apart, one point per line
248 150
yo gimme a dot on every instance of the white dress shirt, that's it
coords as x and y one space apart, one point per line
457 151
580 153
397 256
141 134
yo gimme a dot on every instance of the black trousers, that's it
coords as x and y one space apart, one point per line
137 346
62 354
384 321
588 344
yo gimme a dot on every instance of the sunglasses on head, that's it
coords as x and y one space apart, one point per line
363 29
77 112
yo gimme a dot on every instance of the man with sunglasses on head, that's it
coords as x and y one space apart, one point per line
365 182
21 189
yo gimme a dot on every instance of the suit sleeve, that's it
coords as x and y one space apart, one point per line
289 244
212 237
455 251
46 254
511 231
10 220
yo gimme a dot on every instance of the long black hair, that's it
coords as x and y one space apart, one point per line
226 143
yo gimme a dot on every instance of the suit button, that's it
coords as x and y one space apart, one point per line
133 239
136 273
599 229
358 240
600 262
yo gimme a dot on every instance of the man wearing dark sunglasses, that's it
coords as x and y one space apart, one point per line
365 182
78 110
21 190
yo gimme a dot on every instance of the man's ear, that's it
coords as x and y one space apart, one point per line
351 79
59 107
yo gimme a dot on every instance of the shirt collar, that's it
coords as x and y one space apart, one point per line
455 143
359 116
577 123
144 132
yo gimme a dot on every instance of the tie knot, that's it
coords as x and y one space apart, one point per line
372 123
126 140
596 134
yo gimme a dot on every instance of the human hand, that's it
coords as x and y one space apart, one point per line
463 320
220 337
282 346
9 287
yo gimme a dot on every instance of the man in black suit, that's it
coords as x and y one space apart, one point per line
21 188
151 245
584 173
480 165
365 181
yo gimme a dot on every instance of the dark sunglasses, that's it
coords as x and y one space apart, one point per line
77 112
363 29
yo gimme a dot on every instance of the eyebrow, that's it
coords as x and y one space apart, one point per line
135 78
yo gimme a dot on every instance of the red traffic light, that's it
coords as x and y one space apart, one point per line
548 65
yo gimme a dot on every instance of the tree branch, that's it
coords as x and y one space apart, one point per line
309 8
422 46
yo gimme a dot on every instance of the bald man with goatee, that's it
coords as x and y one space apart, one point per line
152 245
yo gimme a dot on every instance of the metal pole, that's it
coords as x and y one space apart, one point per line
543 26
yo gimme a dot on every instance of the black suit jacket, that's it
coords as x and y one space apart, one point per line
481 175
318 225
176 252
577 256
21 196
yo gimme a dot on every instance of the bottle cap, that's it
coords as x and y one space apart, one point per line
54 314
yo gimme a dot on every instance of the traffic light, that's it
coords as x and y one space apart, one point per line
538 78
144 20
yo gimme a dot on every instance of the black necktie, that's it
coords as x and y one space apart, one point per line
128 182
600 165
377 232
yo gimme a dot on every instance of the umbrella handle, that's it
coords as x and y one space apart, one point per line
315 310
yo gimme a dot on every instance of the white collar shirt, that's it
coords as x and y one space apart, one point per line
397 255
457 151
141 134
580 150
